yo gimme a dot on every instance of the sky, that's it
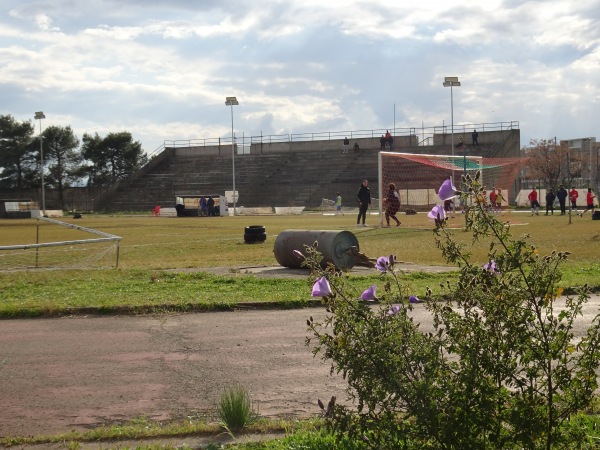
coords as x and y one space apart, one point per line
162 69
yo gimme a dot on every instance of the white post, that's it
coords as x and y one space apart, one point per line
233 157
40 115
231 101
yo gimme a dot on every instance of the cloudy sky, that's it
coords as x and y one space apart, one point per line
162 69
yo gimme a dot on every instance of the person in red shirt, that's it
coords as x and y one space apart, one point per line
533 198
573 195
493 198
589 197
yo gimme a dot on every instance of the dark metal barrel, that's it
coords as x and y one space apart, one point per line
331 244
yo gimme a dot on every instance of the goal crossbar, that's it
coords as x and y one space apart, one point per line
417 176
88 255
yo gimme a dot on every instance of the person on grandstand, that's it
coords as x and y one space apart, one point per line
346 145
356 148
382 142
561 195
364 200
388 139
474 136
535 205
573 196
392 205
338 204
589 197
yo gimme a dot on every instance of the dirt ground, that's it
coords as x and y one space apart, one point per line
74 373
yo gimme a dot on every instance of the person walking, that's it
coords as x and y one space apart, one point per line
392 205
550 197
338 205
562 195
533 199
589 199
364 200
573 196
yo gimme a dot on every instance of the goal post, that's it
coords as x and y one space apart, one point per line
93 253
418 176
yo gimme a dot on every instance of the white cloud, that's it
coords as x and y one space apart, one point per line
162 70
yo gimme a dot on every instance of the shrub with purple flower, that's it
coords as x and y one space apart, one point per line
484 373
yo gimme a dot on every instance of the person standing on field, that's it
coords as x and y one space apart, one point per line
561 195
533 199
338 204
550 197
364 200
493 198
499 199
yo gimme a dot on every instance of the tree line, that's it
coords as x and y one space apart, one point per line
94 161
551 164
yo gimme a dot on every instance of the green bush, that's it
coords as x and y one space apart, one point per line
501 369
235 408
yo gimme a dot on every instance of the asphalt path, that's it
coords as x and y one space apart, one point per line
73 373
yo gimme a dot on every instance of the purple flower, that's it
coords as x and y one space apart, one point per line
437 212
369 295
321 288
491 267
395 310
447 190
383 263
413 299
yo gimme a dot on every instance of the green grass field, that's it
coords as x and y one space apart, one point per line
151 247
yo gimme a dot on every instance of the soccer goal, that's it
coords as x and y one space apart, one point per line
418 177
101 252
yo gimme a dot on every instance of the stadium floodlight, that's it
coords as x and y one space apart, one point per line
232 101
39 115
451 82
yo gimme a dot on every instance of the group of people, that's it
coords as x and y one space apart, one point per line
346 146
386 140
391 202
363 197
206 207
496 198
561 194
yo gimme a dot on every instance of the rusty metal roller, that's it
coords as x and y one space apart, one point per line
333 245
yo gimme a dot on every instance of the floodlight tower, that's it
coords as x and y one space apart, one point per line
232 101
451 82
39 115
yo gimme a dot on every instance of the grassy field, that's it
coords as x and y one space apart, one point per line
152 247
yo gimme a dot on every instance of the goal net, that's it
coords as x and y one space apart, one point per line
418 177
78 252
